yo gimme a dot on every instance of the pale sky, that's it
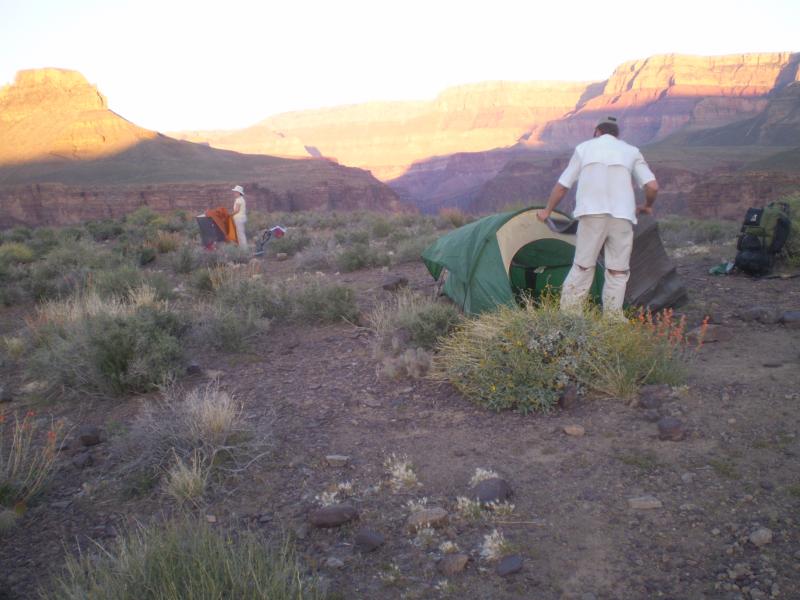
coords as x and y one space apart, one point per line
194 64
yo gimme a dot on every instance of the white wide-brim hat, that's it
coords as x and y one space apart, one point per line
239 189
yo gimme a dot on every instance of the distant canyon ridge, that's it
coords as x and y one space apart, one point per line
722 133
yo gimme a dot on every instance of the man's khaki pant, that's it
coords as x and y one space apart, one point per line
594 233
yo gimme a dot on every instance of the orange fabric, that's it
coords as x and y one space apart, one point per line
224 221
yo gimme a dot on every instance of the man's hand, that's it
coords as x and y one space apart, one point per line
644 210
543 214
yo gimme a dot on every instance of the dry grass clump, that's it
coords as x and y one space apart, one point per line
523 358
187 438
407 328
28 455
401 473
181 560
453 217
495 546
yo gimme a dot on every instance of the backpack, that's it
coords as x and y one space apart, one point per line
764 233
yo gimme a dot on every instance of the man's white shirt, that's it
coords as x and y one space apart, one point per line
604 168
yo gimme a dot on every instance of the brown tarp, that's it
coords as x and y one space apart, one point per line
224 221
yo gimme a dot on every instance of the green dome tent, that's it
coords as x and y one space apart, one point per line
492 260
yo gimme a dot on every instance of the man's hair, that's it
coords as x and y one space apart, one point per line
609 128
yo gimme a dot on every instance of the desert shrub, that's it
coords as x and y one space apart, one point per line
381 228
68 267
523 358
234 254
44 239
361 256
316 299
410 250
146 255
19 234
452 217
354 236
293 242
228 328
184 559
87 344
15 253
166 242
678 231
142 217
11 293
106 229
28 454
201 281
185 260
121 280
316 257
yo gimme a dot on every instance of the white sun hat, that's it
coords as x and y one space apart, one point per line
238 189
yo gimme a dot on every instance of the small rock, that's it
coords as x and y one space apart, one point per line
427 517
575 430
762 314
394 283
83 460
61 504
89 435
651 396
33 387
265 518
211 518
334 515
761 537
193 369
791 319
644 502
687 477
214 374
767 485
651 415
453 564
739 571
337 460
334 563
670 428
509 565
281 256
368 540
491 490
568 398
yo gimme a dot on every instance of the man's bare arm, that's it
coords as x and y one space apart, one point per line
558 193
650 193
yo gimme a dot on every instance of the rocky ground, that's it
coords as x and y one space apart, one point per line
692 493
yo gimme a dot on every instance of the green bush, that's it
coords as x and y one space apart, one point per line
201 281
107 352
792 248
356 236
361 256
410 250
293 242
146 255
182 560
106 229
15 253
523 358
678 231
121 280
411 320
19 234
229 328
185 260
143 217
381 228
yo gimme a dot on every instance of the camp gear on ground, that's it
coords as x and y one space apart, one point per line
267 235
763 234
220 220
493 260
722 268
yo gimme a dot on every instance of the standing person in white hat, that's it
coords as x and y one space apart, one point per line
239 215
605 168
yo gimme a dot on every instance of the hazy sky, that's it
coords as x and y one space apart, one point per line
192 64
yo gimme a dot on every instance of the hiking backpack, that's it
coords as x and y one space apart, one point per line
763 235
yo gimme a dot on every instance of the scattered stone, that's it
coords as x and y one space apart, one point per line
281 256
5 394
509 565
762 314
337 460
394 283
651 396
61 504
767 485
687 477
427 517
568 398
334 515
83 460
368 540
761 537
791 319
211 518
265 518
644 503
575 430
739 571
301 531
214 374
193 368
670 428
452 564
89 435
334 563
33 387
492 490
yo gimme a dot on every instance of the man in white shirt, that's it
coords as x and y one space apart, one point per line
239 215
605 207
